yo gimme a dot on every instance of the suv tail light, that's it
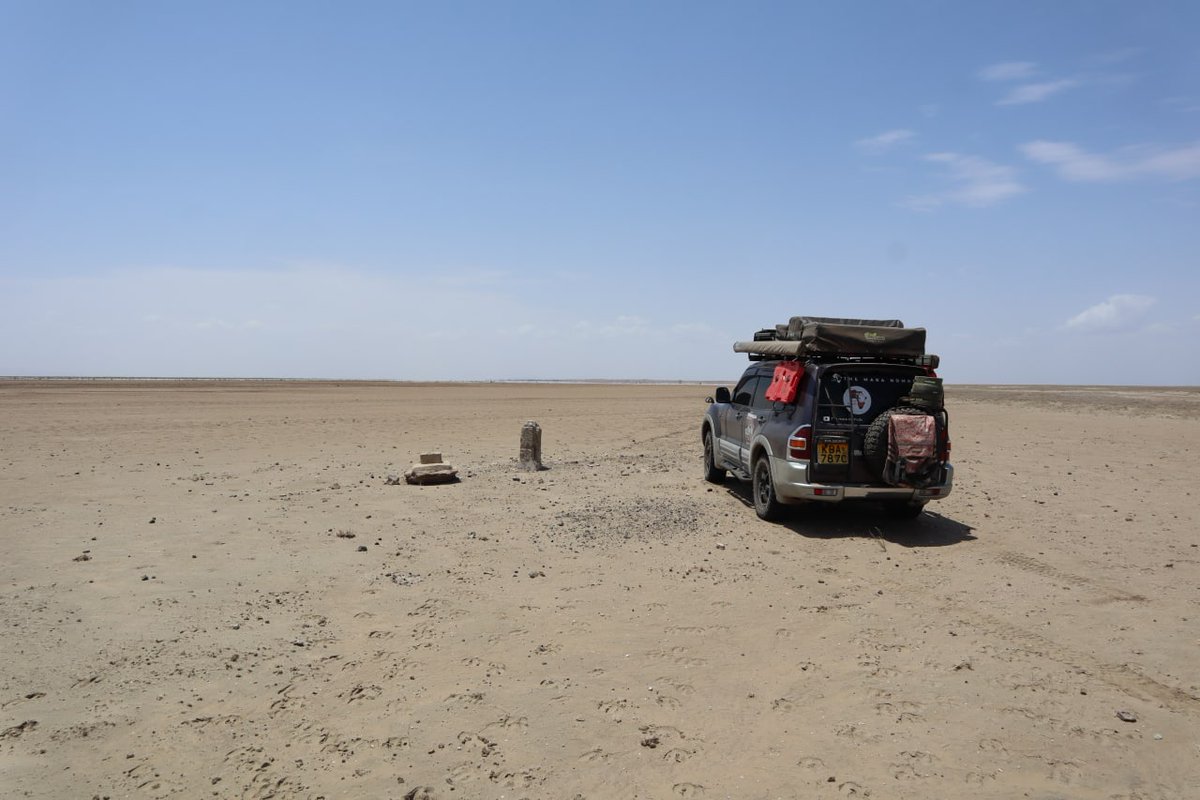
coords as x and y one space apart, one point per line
944 454
799 443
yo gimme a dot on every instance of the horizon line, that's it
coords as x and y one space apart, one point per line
453 381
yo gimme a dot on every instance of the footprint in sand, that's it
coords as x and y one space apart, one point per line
612 706
497 638
903 710
462 773
678 755
465 699
685 689
362 693
508 721
1065 772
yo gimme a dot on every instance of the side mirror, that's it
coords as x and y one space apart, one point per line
723 395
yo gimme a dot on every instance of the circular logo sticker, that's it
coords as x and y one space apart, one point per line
858 400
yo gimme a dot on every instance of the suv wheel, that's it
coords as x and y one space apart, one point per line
766 504
903 509
875 444
712 473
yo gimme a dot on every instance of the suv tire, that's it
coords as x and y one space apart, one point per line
903 509
875 444
712 473
766 504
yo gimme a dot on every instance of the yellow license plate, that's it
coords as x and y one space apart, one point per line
833 452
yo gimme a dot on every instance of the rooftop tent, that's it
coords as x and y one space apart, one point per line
824 336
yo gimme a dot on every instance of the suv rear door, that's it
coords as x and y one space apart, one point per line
849 398
756 415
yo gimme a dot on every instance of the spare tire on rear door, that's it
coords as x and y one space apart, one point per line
875 445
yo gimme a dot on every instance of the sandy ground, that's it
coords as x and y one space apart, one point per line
209 591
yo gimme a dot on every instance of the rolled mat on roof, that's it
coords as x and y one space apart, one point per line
795 325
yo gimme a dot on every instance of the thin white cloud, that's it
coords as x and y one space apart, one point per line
216 323
976 181
465 279
619 327
692 329
1118 313
884 141
1009 71
1186 105
1118 56
1036 92
1073 163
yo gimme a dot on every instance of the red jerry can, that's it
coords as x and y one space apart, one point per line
785 382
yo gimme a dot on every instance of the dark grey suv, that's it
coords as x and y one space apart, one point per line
828 440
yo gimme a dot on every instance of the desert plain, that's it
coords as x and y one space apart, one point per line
209 590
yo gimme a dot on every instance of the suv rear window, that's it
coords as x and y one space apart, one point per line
760 393
860 393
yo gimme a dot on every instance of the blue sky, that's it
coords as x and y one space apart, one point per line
464 190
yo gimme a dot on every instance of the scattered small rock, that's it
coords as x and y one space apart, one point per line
537 573
720 546
651 742
153 520
392 479
346 534
404 578
362 548
1127 716
1158 737
82 557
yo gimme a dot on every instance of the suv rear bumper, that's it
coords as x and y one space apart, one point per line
792 486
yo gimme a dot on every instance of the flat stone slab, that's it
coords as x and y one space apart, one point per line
431 473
